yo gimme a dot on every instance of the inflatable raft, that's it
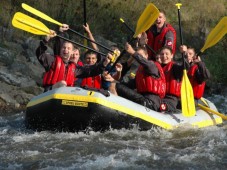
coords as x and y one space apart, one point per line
77 109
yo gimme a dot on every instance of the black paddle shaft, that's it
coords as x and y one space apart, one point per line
85 13
119 57
80 45
91 40
181 36
149 47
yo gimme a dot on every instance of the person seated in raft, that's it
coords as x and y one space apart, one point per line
91 58
116 72
96 81
161 34
158 57
149 82
197 71
60 71
58 44
173 74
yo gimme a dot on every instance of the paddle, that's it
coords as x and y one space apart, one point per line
34 26
207 109
187 97
146 19
47 18
215 35
134 32
85 20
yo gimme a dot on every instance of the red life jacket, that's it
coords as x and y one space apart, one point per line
157 42
145 83
94 82
58 72
173 87
198 89
80 63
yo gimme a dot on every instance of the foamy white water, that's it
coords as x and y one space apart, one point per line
21 148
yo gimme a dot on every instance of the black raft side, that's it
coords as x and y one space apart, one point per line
52 115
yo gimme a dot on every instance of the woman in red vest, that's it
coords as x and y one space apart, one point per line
197 71
173 75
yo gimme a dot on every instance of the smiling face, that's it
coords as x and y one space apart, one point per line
166 55
91 59
190 54
160 20
75 56
66 51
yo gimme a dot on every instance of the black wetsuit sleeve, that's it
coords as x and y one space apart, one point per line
202 73
45 59
125 69
90 70
149 66
178 71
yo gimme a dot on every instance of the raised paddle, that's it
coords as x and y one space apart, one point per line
134 33
47 18
34 26
215 35
187 96
146 19
85 20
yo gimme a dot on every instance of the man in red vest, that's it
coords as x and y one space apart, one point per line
159 35
60 71
149 86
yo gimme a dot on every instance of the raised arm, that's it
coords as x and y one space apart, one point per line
45 59
90 36
58 41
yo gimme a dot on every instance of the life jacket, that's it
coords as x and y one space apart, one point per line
157 42
80 63
94 82
198 89
59 71
146 83
173 87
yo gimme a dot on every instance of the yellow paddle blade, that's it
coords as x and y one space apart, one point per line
40 14
207 109
29 24
204 101
216 34
121 19
146 19
187 97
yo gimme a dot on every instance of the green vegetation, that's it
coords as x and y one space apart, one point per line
198 19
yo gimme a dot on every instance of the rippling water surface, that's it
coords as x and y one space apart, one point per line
21 148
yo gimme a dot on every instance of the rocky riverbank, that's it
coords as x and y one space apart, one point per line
20 72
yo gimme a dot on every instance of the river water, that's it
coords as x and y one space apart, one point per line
21 148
